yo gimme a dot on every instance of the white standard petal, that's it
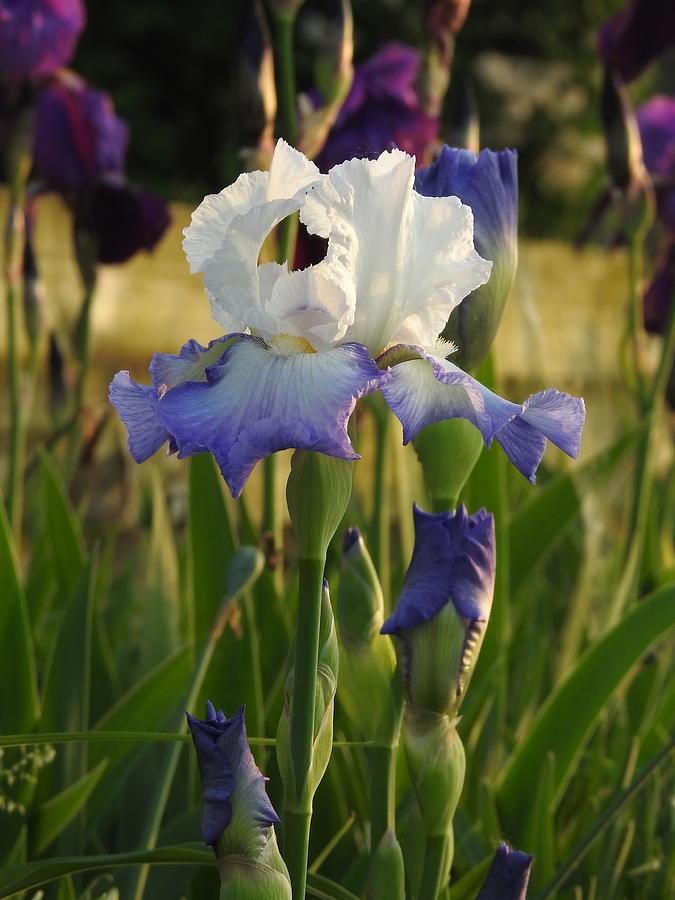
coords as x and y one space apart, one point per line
411 258
228 231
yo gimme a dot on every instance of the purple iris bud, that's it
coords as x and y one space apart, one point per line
38 36
636 36
658 298
236 811
453 561
78 137
488 183
444 605
126 219
508 875
382 110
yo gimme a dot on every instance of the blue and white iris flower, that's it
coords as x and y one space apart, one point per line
302 347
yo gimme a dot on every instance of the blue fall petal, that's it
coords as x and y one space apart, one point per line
430 389
453 561
256 402
135 406
508 876
232 785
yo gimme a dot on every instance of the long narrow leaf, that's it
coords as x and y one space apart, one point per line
53 816
566 720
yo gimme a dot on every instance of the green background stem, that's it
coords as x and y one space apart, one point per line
382 781
437 859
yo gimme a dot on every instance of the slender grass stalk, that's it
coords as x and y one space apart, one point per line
167 770
644 474
18 165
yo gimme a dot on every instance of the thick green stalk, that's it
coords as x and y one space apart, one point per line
296 822
382 781
437 860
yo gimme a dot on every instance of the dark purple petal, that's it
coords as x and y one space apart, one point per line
381 111
125 220
634 37
231 781
656 121
78 138
453 560
256 402
658 298
508 876
135 406
38 36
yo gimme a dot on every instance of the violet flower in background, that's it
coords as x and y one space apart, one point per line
444 605
38 36
382 110
488 183
508 876
79 149
636 36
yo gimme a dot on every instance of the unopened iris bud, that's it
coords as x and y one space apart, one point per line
299 796
237 816
448 452
369 692
488 183
622 135
508 876
387 873
436 763
444 606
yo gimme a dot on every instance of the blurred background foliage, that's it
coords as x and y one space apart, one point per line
533 66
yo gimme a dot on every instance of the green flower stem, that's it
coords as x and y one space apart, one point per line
437 861
18 165
158 800
382 781
297 823
381 521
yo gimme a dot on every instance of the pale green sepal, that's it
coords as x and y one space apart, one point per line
299 797
317 493
387 872
264 878
436 763
370 692
448 452
440 656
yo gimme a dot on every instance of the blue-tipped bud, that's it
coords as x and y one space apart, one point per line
444 606
236 812
448 452
508 875
488 183
368 690
299 796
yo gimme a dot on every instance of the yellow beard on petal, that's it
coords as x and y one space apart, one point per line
289 345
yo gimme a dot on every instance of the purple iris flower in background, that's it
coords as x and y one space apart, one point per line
508 876
382 110
488 183
444 605
38 36
636 36
79 149
233 788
